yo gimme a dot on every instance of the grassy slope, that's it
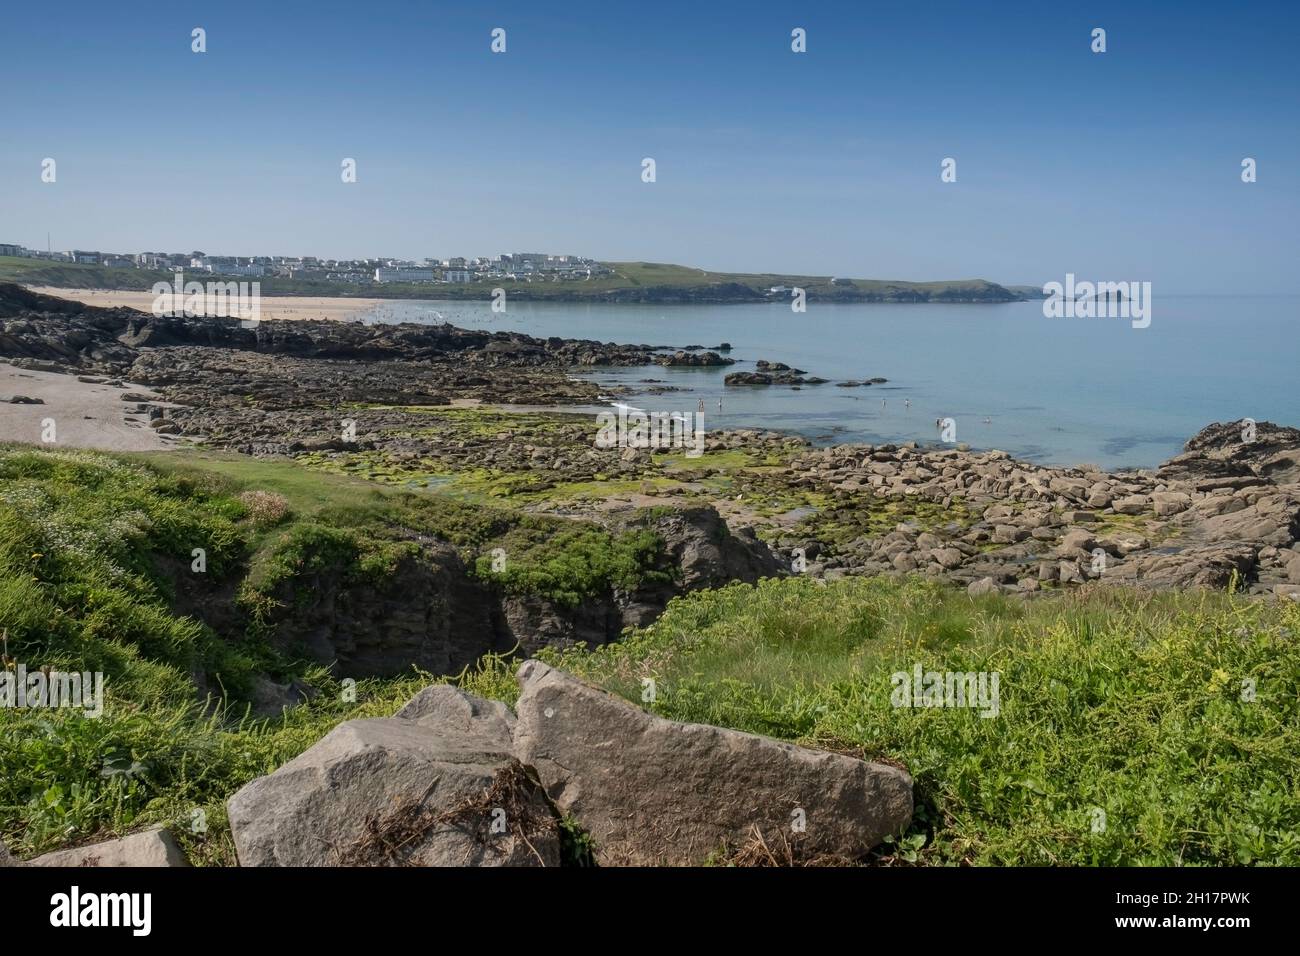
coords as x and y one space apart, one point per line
1117 701
85 543
1127 703
627 275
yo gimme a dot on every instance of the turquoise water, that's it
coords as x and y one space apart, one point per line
1056 391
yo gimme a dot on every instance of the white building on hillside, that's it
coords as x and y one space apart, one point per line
403 274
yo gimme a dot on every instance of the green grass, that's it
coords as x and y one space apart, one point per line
1122 702
1131 704
95 547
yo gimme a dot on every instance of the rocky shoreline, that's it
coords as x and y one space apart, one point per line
411 405
472 427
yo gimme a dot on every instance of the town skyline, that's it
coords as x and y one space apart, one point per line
385 268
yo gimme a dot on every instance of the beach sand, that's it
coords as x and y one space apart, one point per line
271 306
85 414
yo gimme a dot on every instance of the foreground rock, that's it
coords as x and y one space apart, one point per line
435 787
5 858
652 792
155 847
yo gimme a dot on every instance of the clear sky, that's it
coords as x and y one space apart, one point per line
1122 165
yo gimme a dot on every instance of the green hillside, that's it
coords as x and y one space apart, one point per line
628 282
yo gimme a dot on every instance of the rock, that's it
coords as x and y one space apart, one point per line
1293 570
1274 520
1167 503
1073 488
1132 505
707 553
455 711
1126 545
22 400
1211 566
417 790
1222 450
982 586
948 558
694 359
1077 538
651 791
153 847
747 378
1099 498
270 699
1068 573
5 858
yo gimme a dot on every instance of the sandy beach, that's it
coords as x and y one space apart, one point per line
271 306
84 414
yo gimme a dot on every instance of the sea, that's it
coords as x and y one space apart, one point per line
1057 391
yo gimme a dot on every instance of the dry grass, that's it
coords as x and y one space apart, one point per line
394 838
265 508
779 850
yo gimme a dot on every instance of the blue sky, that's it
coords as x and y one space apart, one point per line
1123 165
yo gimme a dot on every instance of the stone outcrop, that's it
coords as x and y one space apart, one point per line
153 847
1226 510
698 551
653 791
434 786
455 780
693 359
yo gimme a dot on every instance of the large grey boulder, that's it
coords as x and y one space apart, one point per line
153 847
1272 519
436 786
1210 566
652 791
450 708
5 858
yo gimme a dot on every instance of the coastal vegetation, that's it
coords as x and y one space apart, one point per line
1131 704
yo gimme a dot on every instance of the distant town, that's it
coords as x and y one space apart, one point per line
517 266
